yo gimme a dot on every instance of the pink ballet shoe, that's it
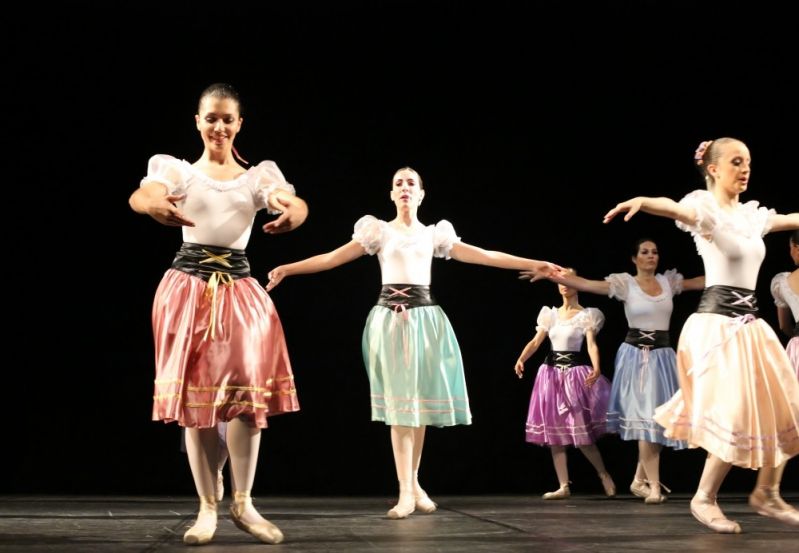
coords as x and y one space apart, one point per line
404 507
767 502
608 484
204 528
640 488
264 530
707 511
423 502
656 496
561 493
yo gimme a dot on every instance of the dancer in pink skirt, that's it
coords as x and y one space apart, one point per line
219 347
785 289
569 403
739 396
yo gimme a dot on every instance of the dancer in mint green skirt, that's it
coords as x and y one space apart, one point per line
411 354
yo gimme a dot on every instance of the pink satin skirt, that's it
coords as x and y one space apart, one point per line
218 358
739 395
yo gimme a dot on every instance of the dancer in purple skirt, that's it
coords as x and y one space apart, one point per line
569 402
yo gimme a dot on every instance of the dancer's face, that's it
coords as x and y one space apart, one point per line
218 122
406 189
647 257
795 253
733 168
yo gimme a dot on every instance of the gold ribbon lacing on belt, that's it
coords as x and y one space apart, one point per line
216 278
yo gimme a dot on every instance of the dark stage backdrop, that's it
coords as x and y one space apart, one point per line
527 120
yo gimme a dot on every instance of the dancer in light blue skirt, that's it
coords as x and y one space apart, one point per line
410 351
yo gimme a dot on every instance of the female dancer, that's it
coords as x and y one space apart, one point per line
785 289
219 346
739 396
645 373
569 402
410 351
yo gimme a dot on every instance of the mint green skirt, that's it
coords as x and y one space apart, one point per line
415 368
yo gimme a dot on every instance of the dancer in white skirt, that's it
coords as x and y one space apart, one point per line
411 354
739 396
785 289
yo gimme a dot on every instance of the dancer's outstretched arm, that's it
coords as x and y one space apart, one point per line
323 262
531 347
472 254
662 207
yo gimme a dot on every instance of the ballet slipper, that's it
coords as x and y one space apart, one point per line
263 530
640 488
204 528
608 484
766 501
707 511
561 493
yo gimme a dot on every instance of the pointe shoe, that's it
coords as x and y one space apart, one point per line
423 502
204 527
220 486
767 502
561 493
656 496
608 484
404 507
264 530
640 488
707 511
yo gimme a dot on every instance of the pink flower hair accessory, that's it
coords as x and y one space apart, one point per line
699 154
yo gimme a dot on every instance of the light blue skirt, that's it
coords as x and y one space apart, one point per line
415 368
641 382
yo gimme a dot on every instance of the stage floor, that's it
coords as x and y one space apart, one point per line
474 524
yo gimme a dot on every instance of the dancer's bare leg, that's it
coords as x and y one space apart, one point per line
244 441
562 470
649 454
704 506
423 501
591 453
202 449
402 443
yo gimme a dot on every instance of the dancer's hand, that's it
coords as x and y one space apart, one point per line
294 213
591 378
631 207
540 270
275 276
519 368
164 210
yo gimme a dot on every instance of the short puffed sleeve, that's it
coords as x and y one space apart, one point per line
369 233
706 209
546 318
444 238
168 171
593 319
619 285
265 179
777 287
675 281
758 218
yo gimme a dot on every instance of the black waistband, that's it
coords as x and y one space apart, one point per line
653 339
566 359
202 261
407 296
728 300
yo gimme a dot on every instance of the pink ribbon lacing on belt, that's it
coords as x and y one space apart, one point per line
739 322
401 309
